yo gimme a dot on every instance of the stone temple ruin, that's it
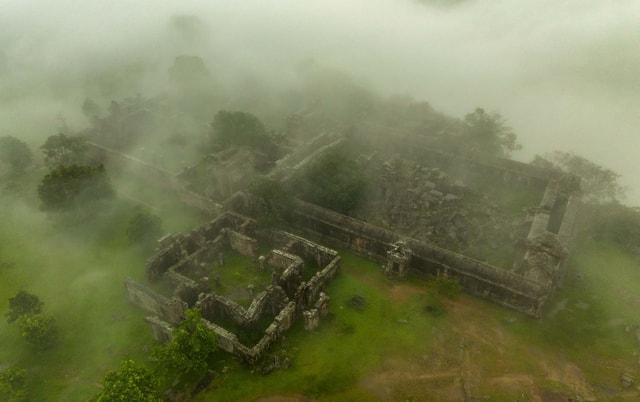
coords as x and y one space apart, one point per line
184 261
427 224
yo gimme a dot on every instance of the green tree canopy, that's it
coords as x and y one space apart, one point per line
68 186
39 330
129 383
143 229
61 149
599 185
334 181
187 355
239 128
13 385
615 223
15 153
23 303
271 202
489 133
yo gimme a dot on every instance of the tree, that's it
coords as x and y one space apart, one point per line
129 383
39 330
187 355
15 153
13 385
615 223
144 229
61 149
334 181
239 128
599 185
68 186
489 133
23 303
271 202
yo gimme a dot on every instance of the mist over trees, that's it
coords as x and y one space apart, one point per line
62 150
16 154
599 185
168 88
143 229
36 327
489 133
238 128
334 181
23 303
71 186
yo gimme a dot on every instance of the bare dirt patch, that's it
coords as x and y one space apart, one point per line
402 292
475 356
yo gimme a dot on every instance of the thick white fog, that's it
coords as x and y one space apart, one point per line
566 74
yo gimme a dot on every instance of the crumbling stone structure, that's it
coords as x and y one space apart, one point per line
525 288
181 261
398 259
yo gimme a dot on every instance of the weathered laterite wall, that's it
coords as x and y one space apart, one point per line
370 241
169 309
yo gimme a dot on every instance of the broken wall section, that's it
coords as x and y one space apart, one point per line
169 309
478 278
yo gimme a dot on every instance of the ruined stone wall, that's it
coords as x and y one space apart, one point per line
505 170
373 242
319 281
307 249
291 163
162 331
280 325
282 260
567 228
213 306
157 177
228 341
199 245
245 245
169 309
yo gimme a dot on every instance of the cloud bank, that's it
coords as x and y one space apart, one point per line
566 74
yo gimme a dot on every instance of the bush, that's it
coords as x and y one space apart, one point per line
447 287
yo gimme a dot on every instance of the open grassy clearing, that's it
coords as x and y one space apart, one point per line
394 350
77 270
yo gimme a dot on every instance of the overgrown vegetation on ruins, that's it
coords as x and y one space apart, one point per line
334 181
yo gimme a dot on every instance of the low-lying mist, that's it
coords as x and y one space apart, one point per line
151 76
565 74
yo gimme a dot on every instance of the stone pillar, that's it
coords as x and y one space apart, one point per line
311 319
